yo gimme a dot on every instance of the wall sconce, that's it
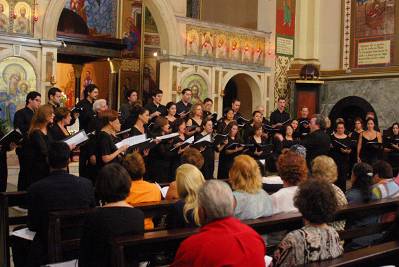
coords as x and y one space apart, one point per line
222 93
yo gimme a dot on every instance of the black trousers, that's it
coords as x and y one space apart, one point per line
3 171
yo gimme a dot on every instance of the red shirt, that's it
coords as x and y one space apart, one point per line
225 242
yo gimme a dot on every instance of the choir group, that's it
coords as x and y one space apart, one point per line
162 133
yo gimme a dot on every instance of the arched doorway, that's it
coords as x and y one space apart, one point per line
245 88
350 108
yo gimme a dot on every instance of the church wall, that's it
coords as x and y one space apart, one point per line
382 94
243 13
330 35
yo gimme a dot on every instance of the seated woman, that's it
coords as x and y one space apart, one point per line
190 156
324 168
293 170
140 190
189 180
316 240
362 180
115 218
251 200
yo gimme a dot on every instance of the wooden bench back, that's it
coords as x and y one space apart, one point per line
64 234
288 221
7 200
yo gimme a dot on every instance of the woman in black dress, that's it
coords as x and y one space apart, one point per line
289 138
180 128
171 116
249 127
207 149
38 143
115 218
354 137
225 121
140 121
158 161
195 121
392 148
369 144
340 152
106 150
58 129
260 142
228 151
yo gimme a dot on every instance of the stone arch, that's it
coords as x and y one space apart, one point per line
161 10
351 107
252 81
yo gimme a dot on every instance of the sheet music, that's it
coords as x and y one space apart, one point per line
77 139
164 190
131 141
167 136
9 133
206 138
72 263
24 233
268 260
189 140
123 132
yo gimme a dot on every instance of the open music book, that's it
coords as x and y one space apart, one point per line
14 136
167 136
131 141
77 138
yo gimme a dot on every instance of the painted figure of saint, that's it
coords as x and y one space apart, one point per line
207 45
87 79
3 19
21 24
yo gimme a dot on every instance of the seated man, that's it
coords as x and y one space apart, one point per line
384 185
222 240
59 191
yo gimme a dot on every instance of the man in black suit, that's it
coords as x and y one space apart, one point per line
303 122
279 117
317 142
59 191
155 107
183 107
22 120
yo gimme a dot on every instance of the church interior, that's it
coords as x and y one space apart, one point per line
315 71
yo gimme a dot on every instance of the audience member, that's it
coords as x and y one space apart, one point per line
115 218
190 156
324 168
184 213
292 170
251 200
362 180
58 191
316 240
140 190
385 186
222 240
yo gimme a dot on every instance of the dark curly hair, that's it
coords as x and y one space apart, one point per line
363 173
316 200
292 168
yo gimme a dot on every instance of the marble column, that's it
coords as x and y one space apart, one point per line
115 65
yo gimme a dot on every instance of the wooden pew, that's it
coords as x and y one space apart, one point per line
7 200
64 234
377 255
170 239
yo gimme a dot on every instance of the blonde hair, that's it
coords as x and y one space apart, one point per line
194 108
245 175
189 180
324 167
